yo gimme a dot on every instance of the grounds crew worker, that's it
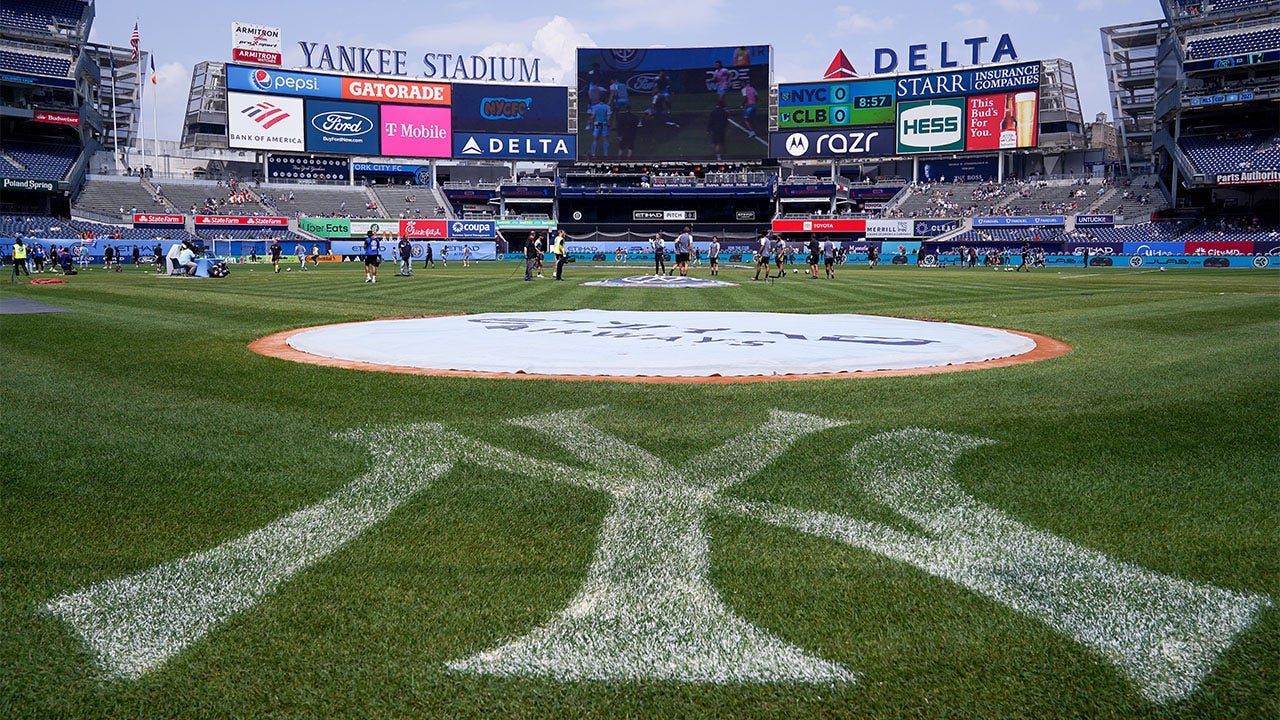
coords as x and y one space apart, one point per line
560 252
19 258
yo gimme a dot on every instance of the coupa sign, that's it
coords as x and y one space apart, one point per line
931 126
471 229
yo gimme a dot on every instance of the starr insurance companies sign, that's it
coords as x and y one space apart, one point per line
256 44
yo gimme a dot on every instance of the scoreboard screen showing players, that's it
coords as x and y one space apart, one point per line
836 104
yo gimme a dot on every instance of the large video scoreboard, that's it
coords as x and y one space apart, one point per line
985 108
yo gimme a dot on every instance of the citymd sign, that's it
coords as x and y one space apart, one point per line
875 141
931 125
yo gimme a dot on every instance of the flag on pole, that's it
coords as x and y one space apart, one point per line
133 40
153 69
112 56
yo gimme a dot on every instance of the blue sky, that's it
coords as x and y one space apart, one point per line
804 34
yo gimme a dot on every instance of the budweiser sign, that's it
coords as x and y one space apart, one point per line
239 221
56 118
144 219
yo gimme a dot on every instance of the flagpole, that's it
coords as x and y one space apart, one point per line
155 102
115 119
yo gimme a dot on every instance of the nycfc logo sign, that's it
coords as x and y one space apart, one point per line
647 609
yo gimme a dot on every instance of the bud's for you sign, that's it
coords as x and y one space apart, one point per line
255 44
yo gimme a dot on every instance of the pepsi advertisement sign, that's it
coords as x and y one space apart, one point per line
342 127
471 230
283 82
510 109
522 147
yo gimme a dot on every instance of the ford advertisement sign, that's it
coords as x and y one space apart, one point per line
471 230
342 127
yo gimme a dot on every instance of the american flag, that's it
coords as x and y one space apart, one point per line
133 40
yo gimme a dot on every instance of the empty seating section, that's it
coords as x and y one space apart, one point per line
1232 152
1146 232
1052 197
265 235
1258 40
39 161
318 201
208 199
408 201
949 200
116 196
1005 236
44 228
38 15
99 230
34 64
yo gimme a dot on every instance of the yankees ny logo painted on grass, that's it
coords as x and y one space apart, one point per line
647 610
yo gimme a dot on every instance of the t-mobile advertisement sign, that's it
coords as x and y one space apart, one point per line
416 131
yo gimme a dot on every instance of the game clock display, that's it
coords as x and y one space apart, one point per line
864 102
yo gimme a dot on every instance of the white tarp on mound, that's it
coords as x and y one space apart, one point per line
668 344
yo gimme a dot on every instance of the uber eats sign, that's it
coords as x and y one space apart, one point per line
931 125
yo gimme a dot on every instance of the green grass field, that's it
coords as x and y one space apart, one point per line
140 430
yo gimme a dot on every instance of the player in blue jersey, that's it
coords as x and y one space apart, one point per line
372 257
599 114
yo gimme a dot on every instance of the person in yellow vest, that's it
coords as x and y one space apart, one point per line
19 258
562 254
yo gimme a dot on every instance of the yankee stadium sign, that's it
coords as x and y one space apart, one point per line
443 66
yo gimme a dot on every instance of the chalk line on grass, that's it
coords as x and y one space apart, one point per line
1162 633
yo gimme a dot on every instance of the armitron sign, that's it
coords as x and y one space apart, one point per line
258 44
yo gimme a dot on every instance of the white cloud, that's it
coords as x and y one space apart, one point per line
1019 6
848 20
670 16
974 27
964 8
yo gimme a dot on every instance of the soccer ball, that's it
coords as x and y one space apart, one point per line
793 272
288 269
